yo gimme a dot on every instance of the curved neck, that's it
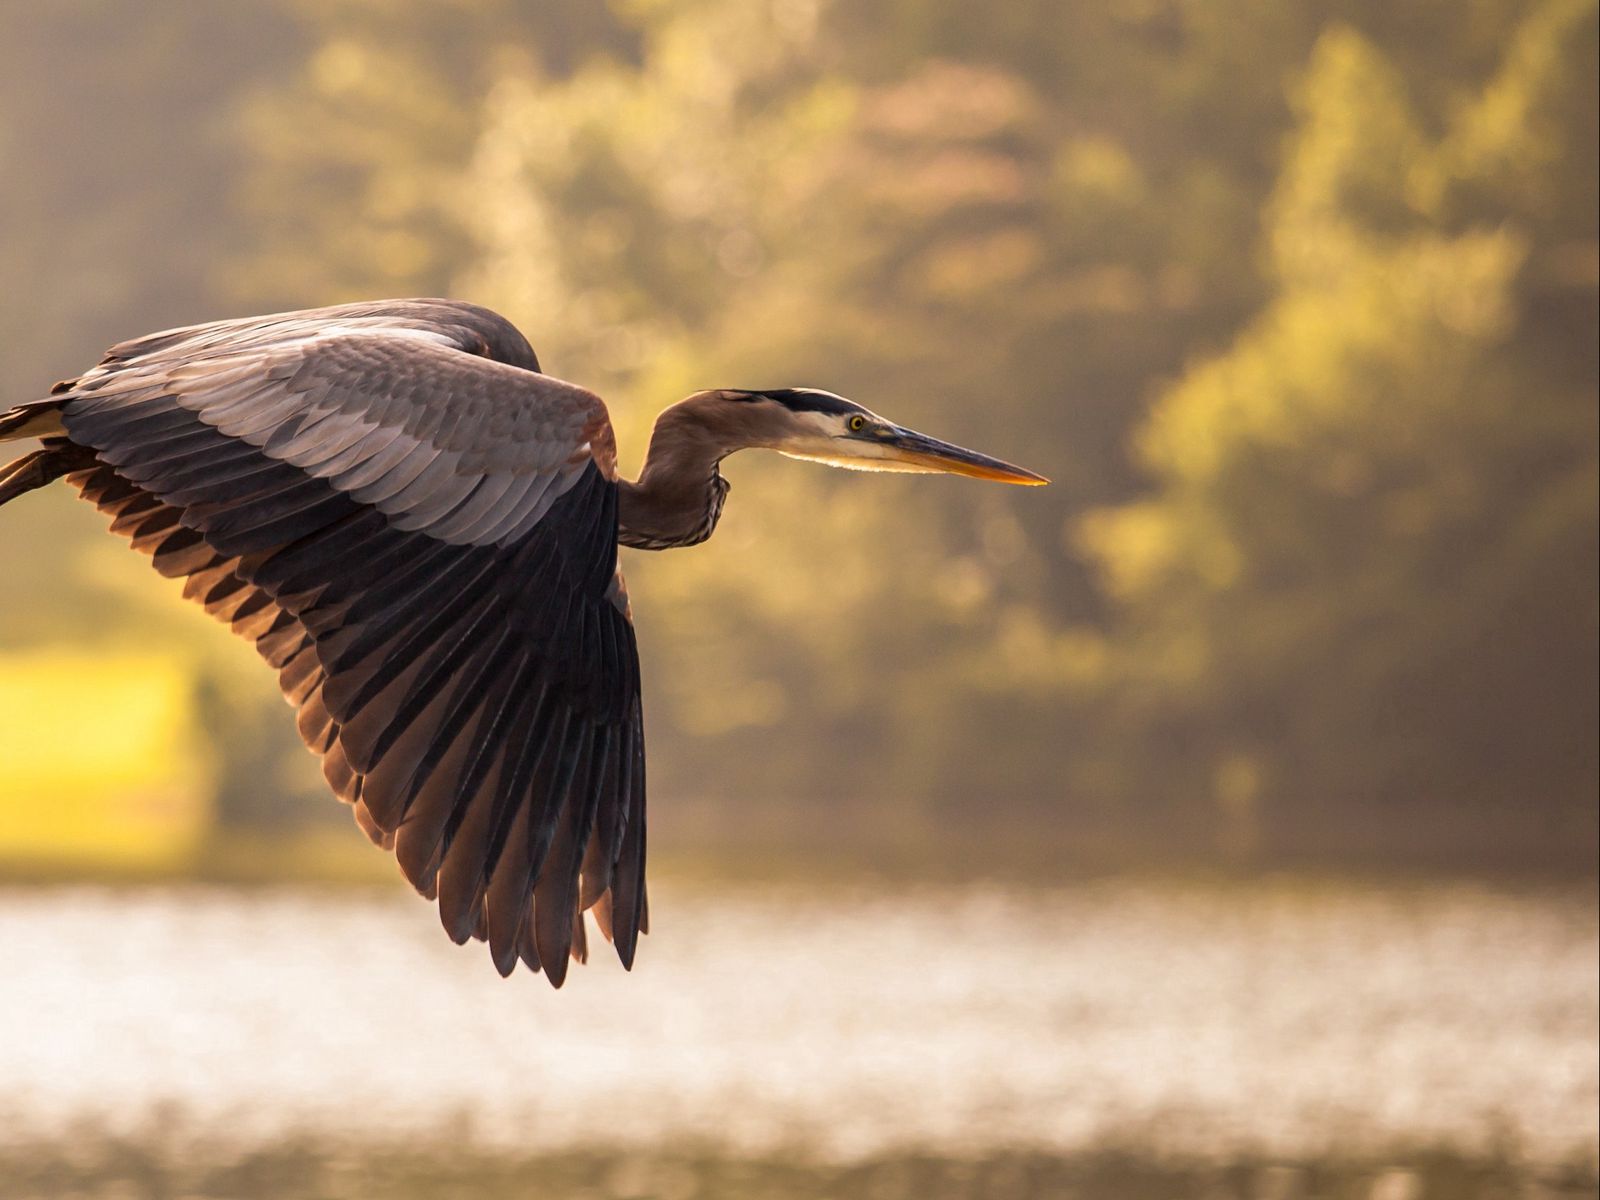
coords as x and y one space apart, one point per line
678 496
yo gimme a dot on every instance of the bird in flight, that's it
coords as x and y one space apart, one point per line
418 530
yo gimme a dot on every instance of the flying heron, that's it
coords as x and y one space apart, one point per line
418 530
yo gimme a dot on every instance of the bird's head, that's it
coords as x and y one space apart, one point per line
821 427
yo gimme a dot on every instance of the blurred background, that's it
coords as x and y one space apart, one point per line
1219 821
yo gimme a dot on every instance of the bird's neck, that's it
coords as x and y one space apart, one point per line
678 496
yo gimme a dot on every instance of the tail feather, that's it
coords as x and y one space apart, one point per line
42 418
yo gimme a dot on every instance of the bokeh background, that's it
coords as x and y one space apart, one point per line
1218 821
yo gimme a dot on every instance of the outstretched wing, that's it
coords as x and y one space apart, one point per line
418 531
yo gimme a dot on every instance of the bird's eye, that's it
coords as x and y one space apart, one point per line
856 423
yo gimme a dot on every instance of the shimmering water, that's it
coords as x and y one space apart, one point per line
1265 1021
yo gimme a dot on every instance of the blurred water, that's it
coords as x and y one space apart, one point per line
1273 1019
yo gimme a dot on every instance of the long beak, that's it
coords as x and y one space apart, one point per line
922 453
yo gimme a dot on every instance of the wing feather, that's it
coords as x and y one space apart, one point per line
554 896
410 525
510 857
465 860
440 782
394 479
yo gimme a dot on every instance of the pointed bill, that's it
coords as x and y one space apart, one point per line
918 451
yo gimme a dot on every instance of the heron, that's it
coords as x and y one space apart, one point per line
418 530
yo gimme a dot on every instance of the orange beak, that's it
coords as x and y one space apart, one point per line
919 452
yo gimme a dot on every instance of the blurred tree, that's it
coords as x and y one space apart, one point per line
116 208
121 160
1349 568
986 223
935 224
355 156
1361 602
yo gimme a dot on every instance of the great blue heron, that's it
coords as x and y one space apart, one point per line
418 530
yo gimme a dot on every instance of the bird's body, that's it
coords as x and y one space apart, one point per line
419 530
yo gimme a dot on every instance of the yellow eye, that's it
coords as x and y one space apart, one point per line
856 423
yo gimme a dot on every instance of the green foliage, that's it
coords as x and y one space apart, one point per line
1370 557
961 242
1329 273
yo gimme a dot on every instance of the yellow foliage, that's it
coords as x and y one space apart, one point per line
1098 166
1508 134
1288 380
98 761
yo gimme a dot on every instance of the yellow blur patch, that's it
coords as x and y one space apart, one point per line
101 764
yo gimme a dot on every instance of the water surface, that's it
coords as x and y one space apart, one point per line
1267 1021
